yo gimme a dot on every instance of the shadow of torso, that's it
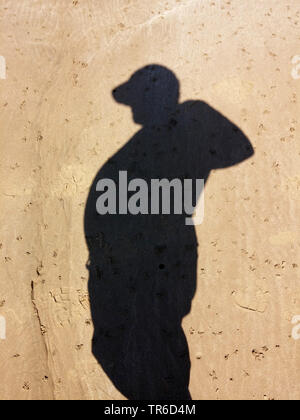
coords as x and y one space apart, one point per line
143 268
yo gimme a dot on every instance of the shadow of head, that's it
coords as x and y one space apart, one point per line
152 93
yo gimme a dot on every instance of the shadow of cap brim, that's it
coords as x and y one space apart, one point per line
121 94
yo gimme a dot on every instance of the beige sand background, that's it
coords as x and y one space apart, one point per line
59 124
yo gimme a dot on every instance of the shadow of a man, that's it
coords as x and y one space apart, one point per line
143 267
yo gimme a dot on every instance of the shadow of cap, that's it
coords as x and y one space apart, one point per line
153 82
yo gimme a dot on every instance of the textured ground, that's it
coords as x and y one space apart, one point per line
59 124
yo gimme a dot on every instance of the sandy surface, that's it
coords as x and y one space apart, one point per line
59 125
